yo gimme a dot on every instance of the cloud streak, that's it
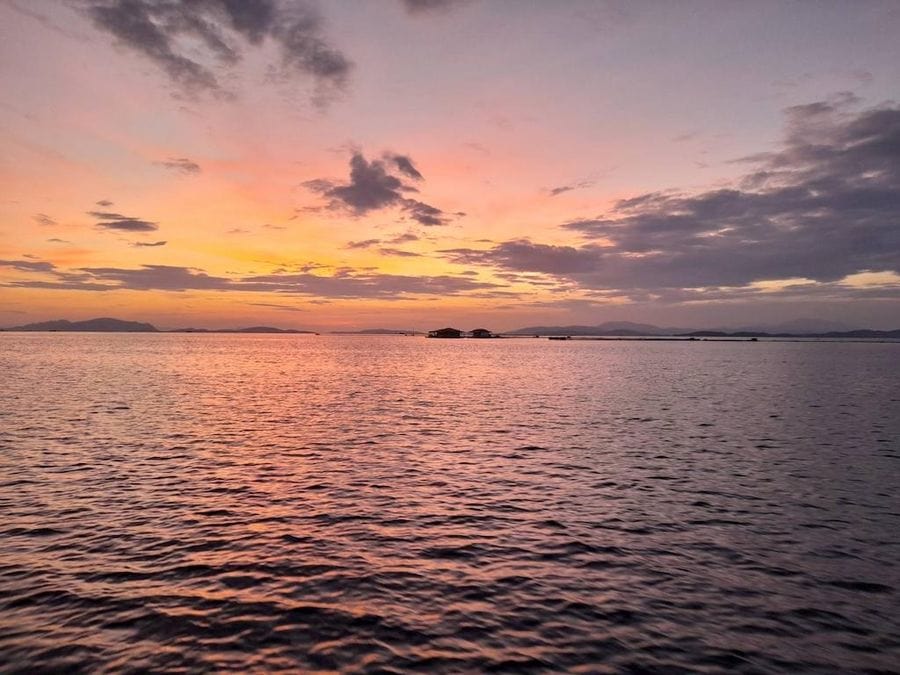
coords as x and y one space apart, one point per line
28 265
108 220
182 165
568 188
44 219
344 283
416 7
387 250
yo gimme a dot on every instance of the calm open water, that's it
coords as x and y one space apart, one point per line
394 504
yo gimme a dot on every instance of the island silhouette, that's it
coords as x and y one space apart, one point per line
110 325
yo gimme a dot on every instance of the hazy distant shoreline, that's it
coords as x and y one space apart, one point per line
610 331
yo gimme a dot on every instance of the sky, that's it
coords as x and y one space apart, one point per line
412 164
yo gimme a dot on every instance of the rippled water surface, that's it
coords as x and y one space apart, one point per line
263 503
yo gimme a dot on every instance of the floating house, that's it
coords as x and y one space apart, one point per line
481 333
445 333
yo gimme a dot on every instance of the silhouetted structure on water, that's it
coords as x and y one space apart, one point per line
445 333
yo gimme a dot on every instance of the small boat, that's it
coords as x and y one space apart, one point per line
560 337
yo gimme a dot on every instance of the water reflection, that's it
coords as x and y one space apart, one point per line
284 502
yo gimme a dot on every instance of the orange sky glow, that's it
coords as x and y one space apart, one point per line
481 163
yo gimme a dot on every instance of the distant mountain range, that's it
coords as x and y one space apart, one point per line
795 328
626 328
108 325
861 333
798 327
91 325
612 328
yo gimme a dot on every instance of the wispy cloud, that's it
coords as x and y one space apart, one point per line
568 188
44 219
399 252
182 165
274 305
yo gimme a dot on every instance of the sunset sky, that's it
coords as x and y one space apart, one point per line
412 164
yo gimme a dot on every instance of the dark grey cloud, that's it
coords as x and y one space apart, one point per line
375 185
525 255
105 203
343 283
193 40
425 214
399 252
365 243
156 277
428 6
44 219
56 240
403 238
405 165
116 221
535 279
143 244
387 250
181 164
371 187
304 49
275 305
824 206
28 265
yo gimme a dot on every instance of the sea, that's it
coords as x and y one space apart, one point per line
301 503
